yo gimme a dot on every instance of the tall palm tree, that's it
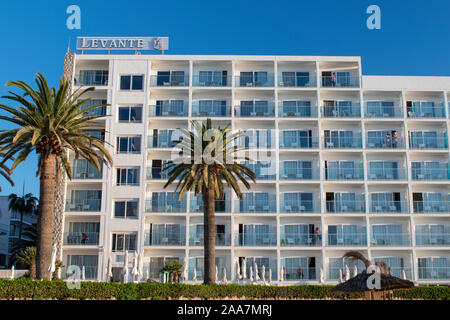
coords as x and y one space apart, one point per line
25 205
209 157
50 122
5 171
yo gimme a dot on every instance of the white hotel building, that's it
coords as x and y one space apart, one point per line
360 163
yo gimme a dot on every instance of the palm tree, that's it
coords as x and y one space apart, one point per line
5 171
174 268
25 205
50 122
27 257
204 165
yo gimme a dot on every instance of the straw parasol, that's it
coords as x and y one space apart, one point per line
388 283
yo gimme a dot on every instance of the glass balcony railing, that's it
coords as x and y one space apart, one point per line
297 239
386 173
299 206
300 273
202 81
391 239
389 207
400 272
341 112
165 239
268 239
383 112
432 239
434 273
299 142
88 173
156 173
340 82
222 239
80 238
347 239
177 80
255 206
160 206
90 273
385 143
356 173
428 143
425 112
219 110
431 206
343 143
159 142
268 110
249 81
196 205
429 174
334 206
286 110
98 79
289 173
296 81
168 111
100 111
91 205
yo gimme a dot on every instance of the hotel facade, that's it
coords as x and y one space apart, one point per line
356 163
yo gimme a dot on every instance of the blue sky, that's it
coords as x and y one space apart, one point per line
413 40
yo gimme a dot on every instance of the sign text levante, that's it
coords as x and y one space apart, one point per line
122 43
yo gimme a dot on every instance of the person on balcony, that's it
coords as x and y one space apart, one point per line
84 238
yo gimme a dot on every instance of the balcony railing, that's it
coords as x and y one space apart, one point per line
442 173
299 273
201 81
297 111
356 173
255 111
169 81
432 239
156 173
385 143
196 205
341 112
255 240
299 142
296 81
166 239
391 239
88 173
389 207
431 206
297 239
100 111
165 206
299 206
298 173
168 111
90 273
334 206
347 239
248 81
340 82
434 273
426 112
255 206
222 239
100 79
80 238
428 143
387 173
161 143
210 110
342 143
91 205
383 112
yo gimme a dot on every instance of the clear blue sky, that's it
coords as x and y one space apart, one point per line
413 40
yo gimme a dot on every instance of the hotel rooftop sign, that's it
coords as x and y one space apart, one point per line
122 43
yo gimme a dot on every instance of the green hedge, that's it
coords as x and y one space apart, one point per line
26 289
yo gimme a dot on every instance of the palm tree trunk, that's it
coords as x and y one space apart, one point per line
45 217
209 233
32 271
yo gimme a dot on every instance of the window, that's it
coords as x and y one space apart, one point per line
130 114
127 176
129 144
126 209
131 82
123 242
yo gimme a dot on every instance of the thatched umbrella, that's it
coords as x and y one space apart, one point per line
359 283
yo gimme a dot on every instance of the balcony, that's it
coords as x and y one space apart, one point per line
386 112
339 82
258 109
222 239
80 238
352 173
288 172
355 206
342 143
262 170
196 205
298 239
172 80
90 273
212 108
299 81
100 111
168 111
389 207
424 173
91 205
211 81
434 273
392 174
165 238
163 140
390 239
156 173
251 79
167 206
89 173
262 239
341 111
287 109
385 143
347 239
306 142
431 206
432 239
91 78
299 206
423 112
255 206
425 143
307 273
